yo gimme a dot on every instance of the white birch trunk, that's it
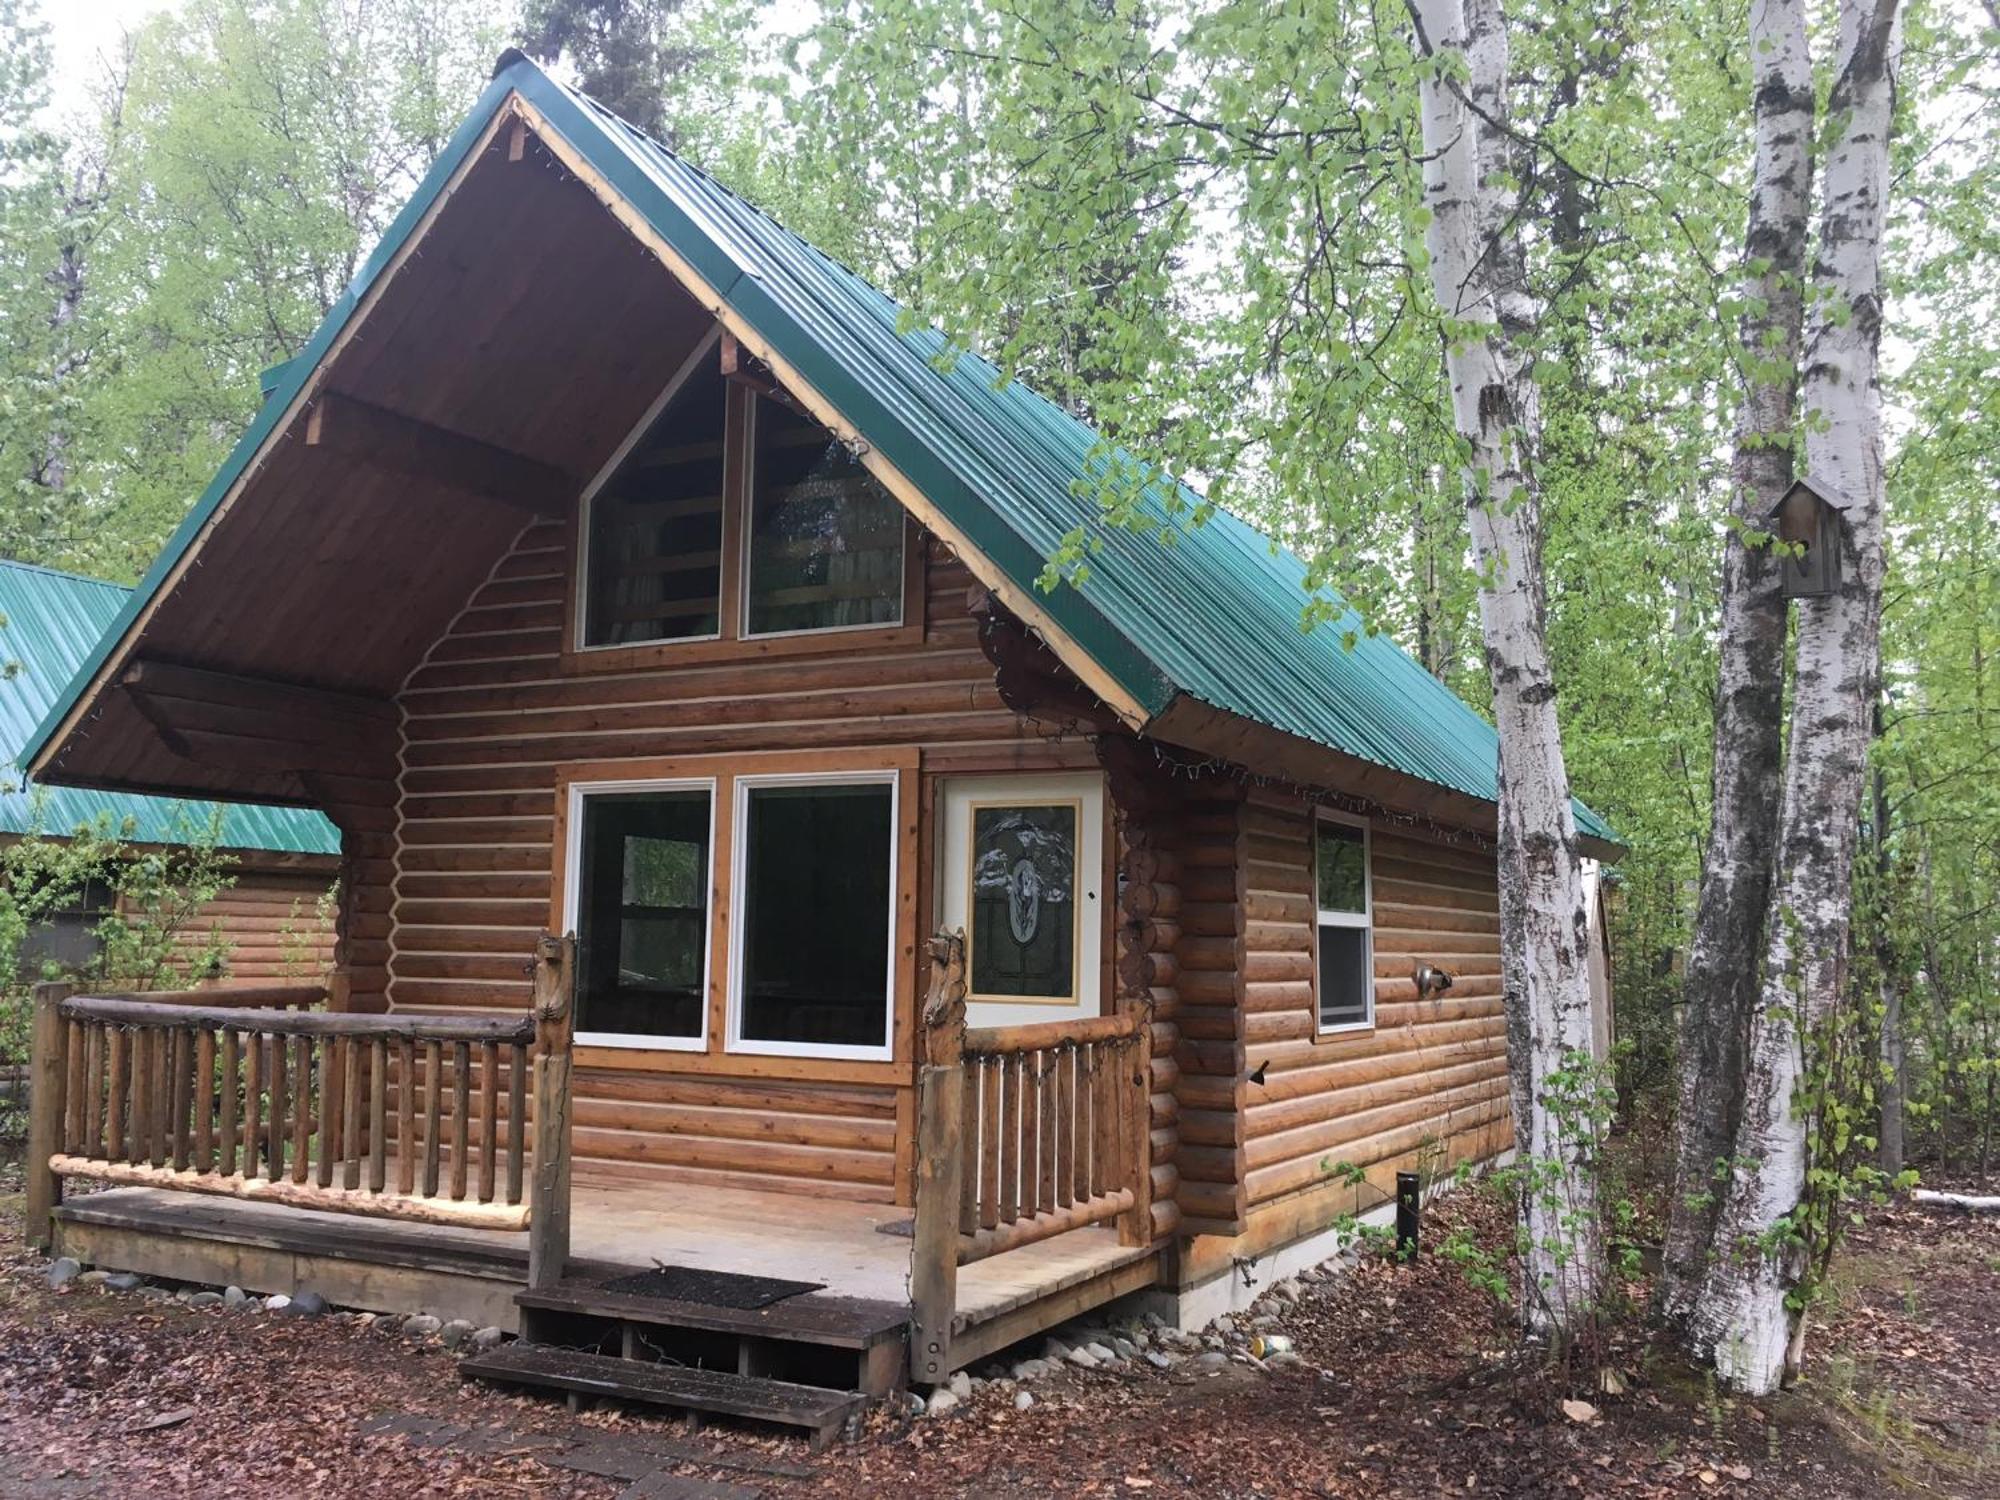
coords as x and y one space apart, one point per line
1721 985
1478 273
1744 1314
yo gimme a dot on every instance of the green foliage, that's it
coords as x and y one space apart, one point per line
147 933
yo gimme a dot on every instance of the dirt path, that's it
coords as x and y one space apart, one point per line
1406 1389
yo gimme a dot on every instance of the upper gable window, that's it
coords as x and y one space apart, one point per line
653 545
825 539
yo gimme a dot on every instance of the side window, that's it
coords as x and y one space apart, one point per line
1346 953
642 916
653 533
825 539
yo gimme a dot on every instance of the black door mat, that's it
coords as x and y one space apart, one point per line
712 1288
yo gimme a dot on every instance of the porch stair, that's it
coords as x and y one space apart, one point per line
818 1410
806 1361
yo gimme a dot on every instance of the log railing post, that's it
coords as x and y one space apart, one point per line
49 1069
555 1019
940 1163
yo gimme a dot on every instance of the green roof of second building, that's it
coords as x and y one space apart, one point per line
50 625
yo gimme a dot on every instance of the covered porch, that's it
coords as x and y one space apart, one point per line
421 1163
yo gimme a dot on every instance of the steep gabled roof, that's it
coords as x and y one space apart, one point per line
1212 620
50 623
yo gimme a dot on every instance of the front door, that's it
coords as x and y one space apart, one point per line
1023 873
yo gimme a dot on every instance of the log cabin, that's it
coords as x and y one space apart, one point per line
749 870
266 925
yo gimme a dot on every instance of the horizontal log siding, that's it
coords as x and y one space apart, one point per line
1432 1070
488 718
271 922
1208 1056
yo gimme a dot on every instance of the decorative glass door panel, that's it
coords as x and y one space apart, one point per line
1023 873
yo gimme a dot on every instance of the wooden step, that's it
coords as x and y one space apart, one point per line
837 1322
814 1408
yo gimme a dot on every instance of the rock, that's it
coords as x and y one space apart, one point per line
1161 1361
124 1281
456 1332
1022 1401
943 1399
93 1278
488 1338
308 1304
1286 1291
277 1302
1031 1369
1104 1355
205 1299
1224 1325
960 1385
1265 1324
63 1270
1209 1363
1055 1351
1284 1359
386 1327
234 1296
1083 1359
421 1326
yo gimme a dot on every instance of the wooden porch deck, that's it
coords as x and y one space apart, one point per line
388 1265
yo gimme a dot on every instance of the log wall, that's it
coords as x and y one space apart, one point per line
272 922
1261 1162
491 714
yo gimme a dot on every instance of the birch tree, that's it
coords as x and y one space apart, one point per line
1478 273
1729 928
1749 1313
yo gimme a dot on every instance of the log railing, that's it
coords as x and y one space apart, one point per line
249 1094
1050 1130
1023 1133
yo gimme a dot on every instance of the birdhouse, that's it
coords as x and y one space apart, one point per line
1808 521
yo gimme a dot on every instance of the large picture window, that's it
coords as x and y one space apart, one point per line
1346 952
815 900
825 539
643 878
653 528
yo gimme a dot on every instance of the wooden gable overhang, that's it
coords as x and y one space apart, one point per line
509 333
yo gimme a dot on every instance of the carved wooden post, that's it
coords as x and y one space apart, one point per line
940 1163
555 1019
49 1069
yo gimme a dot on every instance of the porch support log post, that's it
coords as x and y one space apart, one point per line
47 1084
940 1164
555 1016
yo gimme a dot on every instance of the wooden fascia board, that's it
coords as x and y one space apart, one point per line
183 552
1021 601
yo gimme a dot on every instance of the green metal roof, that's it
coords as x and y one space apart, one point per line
1215 616
50 623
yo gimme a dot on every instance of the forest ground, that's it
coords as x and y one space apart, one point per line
1410 1387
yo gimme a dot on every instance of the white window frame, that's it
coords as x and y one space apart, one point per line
573 900
580 623
749 545
1364 920
739 858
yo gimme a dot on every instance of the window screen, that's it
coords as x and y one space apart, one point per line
816 912
1346 963
643 913
826 541
655 539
